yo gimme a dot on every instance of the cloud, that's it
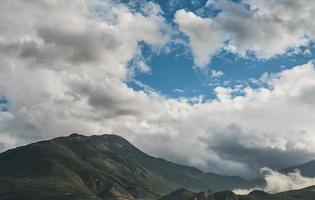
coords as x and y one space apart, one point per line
238 132
179 90
277 182
307 53
264 28
51 61
64 69
203 38
92 39
216 74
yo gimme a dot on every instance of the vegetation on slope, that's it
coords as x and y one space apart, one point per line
97 167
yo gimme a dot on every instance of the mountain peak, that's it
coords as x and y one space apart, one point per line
306 169
101 138
76 135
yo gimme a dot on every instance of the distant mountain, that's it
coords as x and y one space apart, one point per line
97 167
307 169
183 194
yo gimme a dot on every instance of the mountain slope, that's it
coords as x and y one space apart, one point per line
307 169
97 167
181 193
184 194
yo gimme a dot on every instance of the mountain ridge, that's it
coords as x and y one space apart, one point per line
95 167
307 193
306 169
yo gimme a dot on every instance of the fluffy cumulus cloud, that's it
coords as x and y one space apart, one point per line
265 28
203 36
57 55
277 182
63 66
263 127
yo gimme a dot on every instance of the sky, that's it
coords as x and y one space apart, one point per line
227 86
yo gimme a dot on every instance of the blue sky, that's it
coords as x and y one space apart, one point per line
175 70
174 74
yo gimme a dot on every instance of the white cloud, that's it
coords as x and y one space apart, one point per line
259 128
277 182
203 38
179 90
307 53
216 74
265 28
63 70
64 35
51 51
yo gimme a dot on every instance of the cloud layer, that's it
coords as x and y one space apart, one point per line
264 28
277 182
63 66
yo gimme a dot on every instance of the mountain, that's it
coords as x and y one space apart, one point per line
302 194
97 167
183 194
307 169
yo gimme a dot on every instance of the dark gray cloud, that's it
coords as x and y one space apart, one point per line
85 46
230 146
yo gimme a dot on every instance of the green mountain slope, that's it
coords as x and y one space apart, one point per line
97 167
181 193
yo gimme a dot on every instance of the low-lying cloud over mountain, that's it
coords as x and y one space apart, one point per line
64 66
277 182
